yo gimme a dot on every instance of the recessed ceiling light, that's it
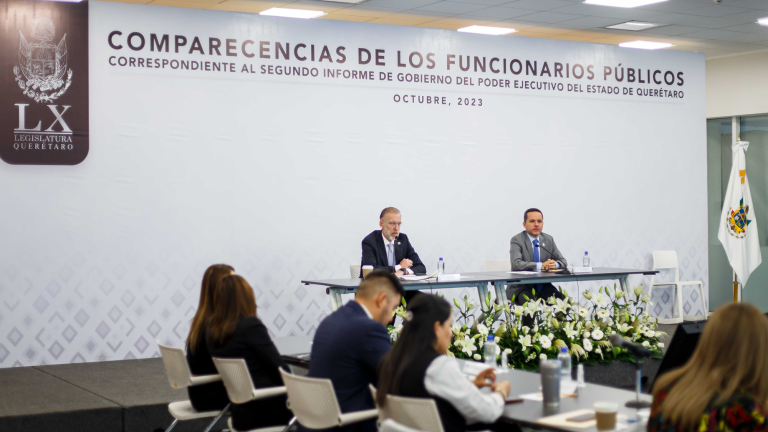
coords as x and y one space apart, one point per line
623 3
487 30
763 21
634 26
292 13
639 44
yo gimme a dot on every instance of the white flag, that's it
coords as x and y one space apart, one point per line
738 225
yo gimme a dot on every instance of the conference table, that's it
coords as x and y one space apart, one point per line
295 351
500 281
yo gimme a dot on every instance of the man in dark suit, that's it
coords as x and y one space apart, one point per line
389 249
532 250
349 343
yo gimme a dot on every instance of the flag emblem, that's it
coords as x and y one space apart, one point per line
737 220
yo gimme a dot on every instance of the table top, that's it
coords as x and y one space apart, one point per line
475 278
528 411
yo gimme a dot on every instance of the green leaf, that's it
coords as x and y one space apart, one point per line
402 301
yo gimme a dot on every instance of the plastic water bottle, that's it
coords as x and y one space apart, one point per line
586 259
580 376
504 361
565 359
441 266
490 352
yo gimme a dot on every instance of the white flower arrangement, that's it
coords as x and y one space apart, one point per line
582 329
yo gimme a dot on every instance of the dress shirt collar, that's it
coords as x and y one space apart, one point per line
365 309
531 239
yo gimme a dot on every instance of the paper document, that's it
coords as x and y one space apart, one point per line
523 272
418 277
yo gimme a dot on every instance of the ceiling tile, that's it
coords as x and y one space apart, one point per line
715 10
486 2
540 5
680 6
748 28
608 12
749 17
549 17
498 13
671 30
592 22
452 7
754 4
724 35
693 20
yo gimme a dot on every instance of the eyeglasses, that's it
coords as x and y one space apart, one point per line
394 224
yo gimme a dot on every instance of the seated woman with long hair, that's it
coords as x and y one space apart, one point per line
211 396
235 332
418 367
724 385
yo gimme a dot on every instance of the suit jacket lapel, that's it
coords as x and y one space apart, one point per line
527 243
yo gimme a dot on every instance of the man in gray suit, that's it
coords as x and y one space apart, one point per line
532 250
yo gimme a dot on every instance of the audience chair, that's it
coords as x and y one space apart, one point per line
390 425
409 413
179 376
313 402
498 265
237 381
354 271
667 260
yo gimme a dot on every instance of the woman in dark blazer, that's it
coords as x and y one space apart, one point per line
235 332
211 396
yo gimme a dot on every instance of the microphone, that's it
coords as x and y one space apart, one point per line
637 350
541 245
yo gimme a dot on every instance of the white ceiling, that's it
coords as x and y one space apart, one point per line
714 29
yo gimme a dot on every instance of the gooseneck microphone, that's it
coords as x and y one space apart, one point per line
541 245
639 351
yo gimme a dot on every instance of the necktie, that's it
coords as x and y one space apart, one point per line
537 258
390 256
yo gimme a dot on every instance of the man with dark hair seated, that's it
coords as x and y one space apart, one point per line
349 343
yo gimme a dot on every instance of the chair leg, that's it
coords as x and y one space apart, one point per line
290 424
172 425
210 426
703 302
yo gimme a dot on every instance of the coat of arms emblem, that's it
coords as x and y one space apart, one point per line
42 65
737 220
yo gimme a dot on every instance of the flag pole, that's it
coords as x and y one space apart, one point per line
735 288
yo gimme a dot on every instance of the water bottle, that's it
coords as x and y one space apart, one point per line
580 376
586 259
490 352
441 266
565 359
504 361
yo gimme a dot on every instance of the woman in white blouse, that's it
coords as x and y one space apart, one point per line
418 367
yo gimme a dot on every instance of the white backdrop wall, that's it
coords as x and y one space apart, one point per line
283 176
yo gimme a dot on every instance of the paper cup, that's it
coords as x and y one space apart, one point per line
605 414
367 269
